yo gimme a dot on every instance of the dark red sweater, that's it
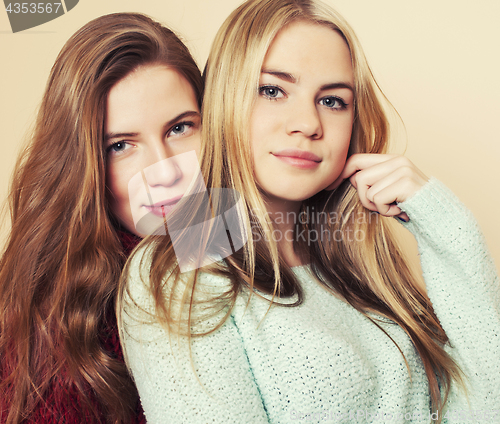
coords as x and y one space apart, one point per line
63 403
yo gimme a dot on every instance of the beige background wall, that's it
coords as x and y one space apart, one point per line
438 62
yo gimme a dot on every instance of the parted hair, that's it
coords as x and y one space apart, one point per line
60 268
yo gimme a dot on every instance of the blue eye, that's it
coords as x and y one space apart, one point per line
271 92
118 147
333 102
182 128
179 129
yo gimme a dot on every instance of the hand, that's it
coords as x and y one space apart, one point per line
382 181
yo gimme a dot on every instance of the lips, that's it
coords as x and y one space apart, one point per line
163 207
298 158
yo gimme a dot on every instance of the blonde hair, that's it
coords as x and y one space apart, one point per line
371 275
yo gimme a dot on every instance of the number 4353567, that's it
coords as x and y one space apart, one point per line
33 7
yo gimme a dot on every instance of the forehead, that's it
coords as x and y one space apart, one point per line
304 47
151 81
146 95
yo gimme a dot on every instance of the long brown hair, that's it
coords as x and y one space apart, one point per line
62 261
370 274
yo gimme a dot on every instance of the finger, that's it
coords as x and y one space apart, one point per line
382 184
374 177
403 217
379 171
362 192
386 199
371 180
358 162
398 186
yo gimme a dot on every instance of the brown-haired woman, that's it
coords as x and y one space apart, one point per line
60 356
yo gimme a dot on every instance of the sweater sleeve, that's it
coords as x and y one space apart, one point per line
207 380
463 286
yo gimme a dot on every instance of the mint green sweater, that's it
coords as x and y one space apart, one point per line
323 361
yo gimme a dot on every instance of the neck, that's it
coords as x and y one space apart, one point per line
284 215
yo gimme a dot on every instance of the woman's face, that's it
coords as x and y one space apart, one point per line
152 137
302 120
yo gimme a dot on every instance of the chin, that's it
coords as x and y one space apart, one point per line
296 198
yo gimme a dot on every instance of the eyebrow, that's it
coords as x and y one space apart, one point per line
280 74
285 76
189 113
337 85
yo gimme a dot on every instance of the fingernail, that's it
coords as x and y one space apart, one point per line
401 219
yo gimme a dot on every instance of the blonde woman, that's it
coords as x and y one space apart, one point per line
318 317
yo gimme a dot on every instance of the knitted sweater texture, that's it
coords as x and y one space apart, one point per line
324 361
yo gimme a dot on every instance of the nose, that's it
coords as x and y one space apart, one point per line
162 169
303 118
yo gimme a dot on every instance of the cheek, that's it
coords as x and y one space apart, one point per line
339 140
197 149
185 145
264 126
188 165
345 141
